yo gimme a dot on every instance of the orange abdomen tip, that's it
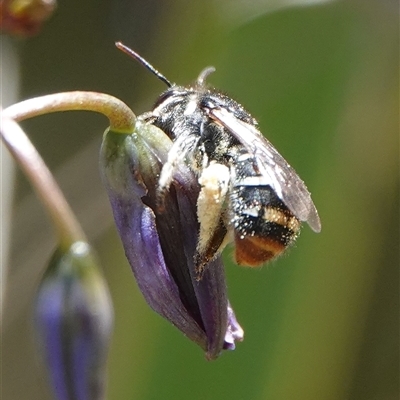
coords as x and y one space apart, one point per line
254 251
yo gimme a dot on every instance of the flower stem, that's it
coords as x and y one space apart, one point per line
29 160
122 120
121 117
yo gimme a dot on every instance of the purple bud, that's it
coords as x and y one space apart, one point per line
160 244
74 320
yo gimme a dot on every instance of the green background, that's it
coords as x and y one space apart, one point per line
321 322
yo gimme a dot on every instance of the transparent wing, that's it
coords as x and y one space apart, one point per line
273 167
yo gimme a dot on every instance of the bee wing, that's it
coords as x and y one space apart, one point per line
273 167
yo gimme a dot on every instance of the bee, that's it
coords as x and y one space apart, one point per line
249 194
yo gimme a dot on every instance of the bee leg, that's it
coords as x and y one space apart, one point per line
180 149
214 247
214 181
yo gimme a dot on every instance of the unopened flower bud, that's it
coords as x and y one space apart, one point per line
74 320
160 244
24 17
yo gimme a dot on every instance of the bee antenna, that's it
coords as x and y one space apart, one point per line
142 61
204 74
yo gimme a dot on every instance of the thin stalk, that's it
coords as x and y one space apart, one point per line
121 117
47 189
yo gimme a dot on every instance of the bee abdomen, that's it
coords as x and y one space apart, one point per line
263 226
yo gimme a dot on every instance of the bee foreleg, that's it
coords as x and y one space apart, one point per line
177 154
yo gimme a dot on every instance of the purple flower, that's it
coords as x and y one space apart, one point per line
160 245
74 320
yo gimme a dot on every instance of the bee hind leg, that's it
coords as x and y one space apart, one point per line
214 181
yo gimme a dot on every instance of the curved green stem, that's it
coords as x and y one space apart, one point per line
122 120
121 117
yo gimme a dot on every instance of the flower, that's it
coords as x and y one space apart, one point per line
74 319
160 245
25 17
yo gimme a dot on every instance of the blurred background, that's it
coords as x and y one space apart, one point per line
322 79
